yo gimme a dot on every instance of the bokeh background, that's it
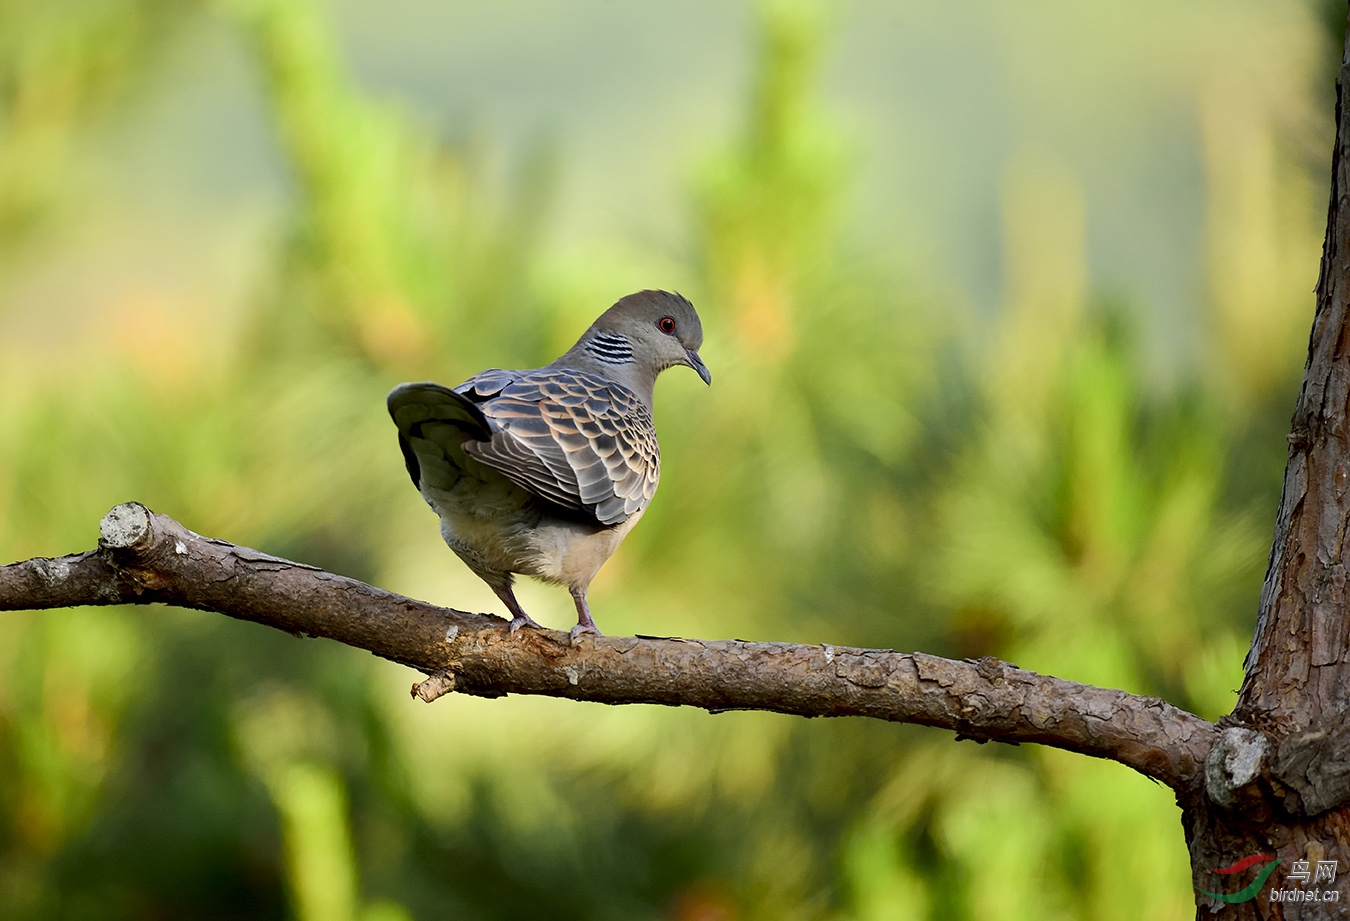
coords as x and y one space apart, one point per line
1006 306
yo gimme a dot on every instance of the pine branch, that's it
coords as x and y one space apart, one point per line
147 558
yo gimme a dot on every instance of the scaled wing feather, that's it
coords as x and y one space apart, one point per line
572 438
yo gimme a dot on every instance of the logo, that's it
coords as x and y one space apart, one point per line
1249 893
1302 872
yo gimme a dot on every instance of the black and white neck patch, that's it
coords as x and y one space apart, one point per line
610 348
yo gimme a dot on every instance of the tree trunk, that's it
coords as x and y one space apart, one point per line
1278 782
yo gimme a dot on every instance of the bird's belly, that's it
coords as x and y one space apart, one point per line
570 553
488 543
552 549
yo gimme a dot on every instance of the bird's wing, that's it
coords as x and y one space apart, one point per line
433 423
572 438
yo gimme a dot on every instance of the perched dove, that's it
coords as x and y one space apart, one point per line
544 472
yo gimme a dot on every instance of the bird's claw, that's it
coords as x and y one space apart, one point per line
582 629
523 620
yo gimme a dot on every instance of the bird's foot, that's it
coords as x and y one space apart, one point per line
585 623
522 620
582 629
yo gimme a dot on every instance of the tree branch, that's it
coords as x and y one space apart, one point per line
144 557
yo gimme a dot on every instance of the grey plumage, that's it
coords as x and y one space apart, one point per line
544 472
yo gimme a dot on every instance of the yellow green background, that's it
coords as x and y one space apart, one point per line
1006 305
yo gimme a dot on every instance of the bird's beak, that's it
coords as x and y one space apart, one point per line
693 361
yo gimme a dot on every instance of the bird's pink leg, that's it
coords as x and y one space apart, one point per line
518 616
585 623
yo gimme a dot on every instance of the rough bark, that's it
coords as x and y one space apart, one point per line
144 557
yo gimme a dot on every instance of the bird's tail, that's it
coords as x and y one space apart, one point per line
433 423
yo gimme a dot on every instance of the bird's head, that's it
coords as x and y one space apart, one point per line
653 330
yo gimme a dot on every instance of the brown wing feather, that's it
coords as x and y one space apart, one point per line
571 438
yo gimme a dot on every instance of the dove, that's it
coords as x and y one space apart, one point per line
544 472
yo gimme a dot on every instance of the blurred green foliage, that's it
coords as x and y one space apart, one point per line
873 467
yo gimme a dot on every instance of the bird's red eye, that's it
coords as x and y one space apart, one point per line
666 325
